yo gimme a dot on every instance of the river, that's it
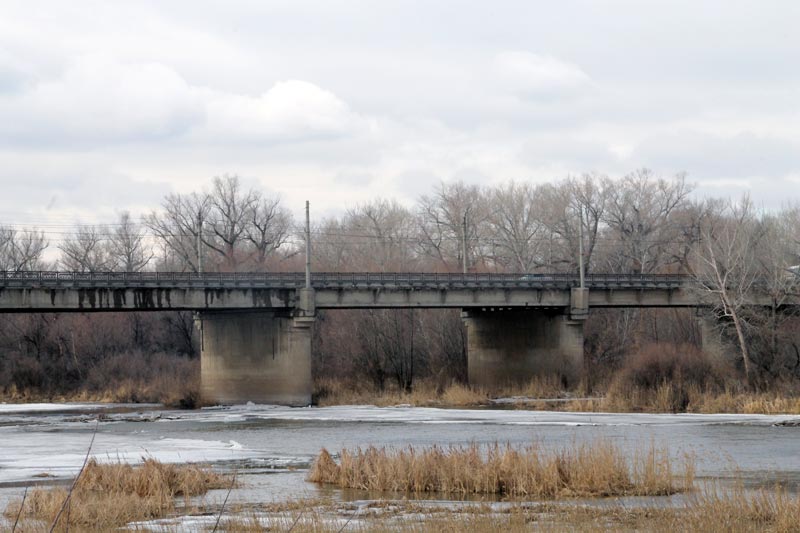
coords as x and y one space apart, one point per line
272 447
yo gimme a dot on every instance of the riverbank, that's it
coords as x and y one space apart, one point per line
179 387
708 511
547 395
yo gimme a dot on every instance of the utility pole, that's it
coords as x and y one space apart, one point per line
308 247
198 318
199 241
580 247
464 242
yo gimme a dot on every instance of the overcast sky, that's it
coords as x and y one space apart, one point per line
106 106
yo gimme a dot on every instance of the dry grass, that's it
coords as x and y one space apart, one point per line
427 393
716 509
734 511
538 387
594 469
668 399
107 496
769 403
622 397
128 378
424 394
458 394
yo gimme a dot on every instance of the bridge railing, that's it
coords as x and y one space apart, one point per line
54 279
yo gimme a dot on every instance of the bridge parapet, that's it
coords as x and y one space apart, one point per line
323 280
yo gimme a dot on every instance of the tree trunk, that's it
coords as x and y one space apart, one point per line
743 348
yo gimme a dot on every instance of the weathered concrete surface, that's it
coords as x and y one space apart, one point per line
712 341
260 357
142 299
575 301
513 346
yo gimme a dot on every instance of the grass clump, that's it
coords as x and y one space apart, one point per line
715 509
709 509
107 496
583 470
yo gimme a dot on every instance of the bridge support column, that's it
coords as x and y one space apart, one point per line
256 356
512 346
712 341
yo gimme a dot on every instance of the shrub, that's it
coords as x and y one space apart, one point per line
664 377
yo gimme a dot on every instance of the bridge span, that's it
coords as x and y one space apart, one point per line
142 291
256 327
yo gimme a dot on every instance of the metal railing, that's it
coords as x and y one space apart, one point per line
323 280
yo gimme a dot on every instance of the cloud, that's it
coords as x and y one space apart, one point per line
99 100
739 157
337 104
63 186
536 75
290 111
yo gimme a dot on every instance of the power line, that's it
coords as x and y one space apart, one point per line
104 233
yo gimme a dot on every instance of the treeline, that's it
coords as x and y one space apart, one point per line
640 223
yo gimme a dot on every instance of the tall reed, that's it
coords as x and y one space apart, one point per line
111 495
592 469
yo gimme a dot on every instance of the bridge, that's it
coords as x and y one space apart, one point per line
256 327
143 291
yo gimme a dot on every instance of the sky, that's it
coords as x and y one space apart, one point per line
109 106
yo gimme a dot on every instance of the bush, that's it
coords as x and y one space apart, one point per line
664 377
656 363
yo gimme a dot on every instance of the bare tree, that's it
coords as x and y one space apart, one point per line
776 254
381 233
84 250
391 346
268 228
229 212
128 247
178 227
455 214
639 217
21 250
227 228
726 268
565 207
517 230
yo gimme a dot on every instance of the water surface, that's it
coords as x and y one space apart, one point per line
272 447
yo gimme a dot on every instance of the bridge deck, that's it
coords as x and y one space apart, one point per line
331 280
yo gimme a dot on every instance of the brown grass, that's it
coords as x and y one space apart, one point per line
717 509
128 378
111 495
427 393
595 469
694 399
732 511
458 394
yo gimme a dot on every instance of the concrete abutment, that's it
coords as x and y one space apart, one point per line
513 346
256 356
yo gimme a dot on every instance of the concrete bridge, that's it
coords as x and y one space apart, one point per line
256 327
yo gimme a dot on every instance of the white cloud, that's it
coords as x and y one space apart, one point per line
338 104
536 74
291 110
99 100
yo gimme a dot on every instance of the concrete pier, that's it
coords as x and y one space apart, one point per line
512 346
712 341
256 356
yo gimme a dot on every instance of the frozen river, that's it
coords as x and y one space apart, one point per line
272 447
